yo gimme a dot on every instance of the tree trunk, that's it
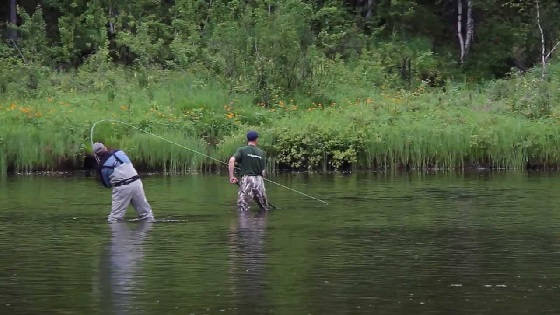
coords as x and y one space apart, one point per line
12 22
470 28
369 9
460 30
543 47
465 40
110 18
544 55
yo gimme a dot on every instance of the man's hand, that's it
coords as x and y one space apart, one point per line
231 167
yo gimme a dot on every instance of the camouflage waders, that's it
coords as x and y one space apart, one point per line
251 187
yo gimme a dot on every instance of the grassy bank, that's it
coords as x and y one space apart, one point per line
512 123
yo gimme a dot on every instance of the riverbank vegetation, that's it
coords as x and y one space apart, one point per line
330 85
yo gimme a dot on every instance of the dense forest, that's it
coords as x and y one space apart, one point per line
205 70
281 45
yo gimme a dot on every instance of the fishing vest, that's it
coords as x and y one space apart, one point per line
122 171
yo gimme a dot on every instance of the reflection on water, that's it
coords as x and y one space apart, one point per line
482 243
248 261
120 265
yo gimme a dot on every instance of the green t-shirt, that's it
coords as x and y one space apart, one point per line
250 160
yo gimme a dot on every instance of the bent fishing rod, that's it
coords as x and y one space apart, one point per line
193 151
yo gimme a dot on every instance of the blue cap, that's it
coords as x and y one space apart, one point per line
252 135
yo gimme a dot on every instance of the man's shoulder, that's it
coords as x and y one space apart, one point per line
241 149
121 156
119 153
249 149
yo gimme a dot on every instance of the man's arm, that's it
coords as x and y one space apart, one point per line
105 173
231 168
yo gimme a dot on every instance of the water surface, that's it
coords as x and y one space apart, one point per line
430 244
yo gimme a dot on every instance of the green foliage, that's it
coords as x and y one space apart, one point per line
10 65
360 127
312 148
333 25
82 29
528 94
22 62
146 41
331 84
33 42
186 46
280 48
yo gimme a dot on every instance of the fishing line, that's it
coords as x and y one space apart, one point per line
194 151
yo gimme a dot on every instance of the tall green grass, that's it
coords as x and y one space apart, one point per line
457 127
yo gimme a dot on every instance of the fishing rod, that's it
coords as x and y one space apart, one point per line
193 151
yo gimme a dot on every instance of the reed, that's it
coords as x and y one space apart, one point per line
459 127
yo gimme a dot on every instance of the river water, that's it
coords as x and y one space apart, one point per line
480 243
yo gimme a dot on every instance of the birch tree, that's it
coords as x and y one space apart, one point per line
465 36
544 55
368 8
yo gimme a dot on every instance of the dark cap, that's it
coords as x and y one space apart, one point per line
252 135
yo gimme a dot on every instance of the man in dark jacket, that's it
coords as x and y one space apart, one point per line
251 163
117 172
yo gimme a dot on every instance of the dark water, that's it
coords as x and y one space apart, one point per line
429 244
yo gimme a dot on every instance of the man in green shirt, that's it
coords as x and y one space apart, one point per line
251 163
